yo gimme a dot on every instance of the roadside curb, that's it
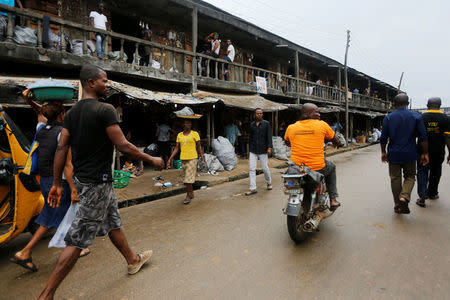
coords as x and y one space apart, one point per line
200 183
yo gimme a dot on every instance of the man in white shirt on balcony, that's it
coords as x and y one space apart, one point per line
98 20
230 57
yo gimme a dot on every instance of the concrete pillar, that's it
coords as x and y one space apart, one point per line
194 48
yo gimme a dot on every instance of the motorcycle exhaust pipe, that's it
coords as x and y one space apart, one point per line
313 223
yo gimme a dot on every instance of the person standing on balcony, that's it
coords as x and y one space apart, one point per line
230 57
145 34
260 149
437 125
98 20
319 88
401 128
213 38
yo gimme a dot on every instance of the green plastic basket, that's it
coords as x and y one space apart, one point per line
177 164
56 93
121 179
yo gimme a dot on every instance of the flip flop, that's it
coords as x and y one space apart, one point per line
421 203
23 263
85 254
334 207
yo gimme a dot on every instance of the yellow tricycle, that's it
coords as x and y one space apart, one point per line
20 197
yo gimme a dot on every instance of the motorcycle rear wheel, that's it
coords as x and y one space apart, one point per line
294 225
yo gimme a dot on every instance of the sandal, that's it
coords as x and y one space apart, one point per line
334 207
23 263
404 207
250 192
397 209
85 253
421 202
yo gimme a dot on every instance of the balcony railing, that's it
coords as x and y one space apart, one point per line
167 59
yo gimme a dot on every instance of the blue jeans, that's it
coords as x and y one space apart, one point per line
101 45
225 67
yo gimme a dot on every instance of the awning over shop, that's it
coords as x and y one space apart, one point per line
336 109
160 97
248 102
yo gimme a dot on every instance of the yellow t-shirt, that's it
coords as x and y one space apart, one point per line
188 145
307 139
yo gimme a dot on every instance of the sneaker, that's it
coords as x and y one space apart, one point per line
144 257
434 197
250 192
269 187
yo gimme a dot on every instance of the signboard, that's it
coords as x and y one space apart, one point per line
261 85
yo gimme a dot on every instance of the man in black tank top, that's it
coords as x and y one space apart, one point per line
437 125
91 128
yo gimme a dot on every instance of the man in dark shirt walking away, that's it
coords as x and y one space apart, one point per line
401 128
437 125
91 129
260 149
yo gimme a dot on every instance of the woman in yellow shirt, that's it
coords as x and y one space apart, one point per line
189 142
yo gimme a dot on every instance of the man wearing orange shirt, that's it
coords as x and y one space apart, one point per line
306 138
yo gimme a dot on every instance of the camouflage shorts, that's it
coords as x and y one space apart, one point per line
97 214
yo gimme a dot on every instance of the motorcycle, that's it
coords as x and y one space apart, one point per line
308 203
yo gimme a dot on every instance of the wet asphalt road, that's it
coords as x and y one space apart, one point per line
225 245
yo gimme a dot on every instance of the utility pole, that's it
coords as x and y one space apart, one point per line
400 83
346 88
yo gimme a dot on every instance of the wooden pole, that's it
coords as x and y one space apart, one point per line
297 71
208 127
213 124
194 48
346 88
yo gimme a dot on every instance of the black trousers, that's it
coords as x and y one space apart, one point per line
429 176
435 175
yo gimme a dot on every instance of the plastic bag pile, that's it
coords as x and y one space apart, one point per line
280 150
212 164
224 151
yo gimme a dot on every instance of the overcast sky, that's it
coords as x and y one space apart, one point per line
387 36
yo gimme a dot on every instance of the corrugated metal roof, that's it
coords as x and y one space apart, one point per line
248 102
160 97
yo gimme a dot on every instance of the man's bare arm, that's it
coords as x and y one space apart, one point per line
61 157
336 142
116 136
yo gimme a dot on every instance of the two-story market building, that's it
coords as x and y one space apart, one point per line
54 39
